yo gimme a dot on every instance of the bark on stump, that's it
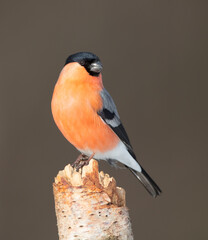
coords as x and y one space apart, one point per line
89 206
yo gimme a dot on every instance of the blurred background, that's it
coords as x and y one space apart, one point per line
155 57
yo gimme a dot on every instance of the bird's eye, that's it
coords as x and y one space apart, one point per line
82 63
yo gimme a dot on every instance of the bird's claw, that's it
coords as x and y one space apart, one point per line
81 161
81 164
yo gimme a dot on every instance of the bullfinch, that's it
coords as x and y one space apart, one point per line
87 116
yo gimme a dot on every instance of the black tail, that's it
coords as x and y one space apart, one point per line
147 181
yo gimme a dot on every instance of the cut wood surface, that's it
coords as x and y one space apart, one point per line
89 205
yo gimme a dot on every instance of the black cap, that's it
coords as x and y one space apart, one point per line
88 60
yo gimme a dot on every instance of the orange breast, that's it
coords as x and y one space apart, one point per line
74 108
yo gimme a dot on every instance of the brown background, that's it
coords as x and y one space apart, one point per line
155 59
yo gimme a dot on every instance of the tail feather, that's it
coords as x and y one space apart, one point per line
147 182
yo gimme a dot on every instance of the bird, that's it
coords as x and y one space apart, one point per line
87 116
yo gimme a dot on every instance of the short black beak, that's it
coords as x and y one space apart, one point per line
96 67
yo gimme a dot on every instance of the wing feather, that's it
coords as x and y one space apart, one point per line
110 116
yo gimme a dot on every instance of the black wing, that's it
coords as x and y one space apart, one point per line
110 116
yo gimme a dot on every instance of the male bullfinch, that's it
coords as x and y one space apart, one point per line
87 116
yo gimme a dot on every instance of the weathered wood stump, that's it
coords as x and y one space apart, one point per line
89 205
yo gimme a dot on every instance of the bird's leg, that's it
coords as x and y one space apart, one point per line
80 158
84 162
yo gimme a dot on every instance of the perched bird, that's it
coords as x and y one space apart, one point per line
87 116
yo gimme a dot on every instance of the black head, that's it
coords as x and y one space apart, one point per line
88 60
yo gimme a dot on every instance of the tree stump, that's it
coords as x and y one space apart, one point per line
89 205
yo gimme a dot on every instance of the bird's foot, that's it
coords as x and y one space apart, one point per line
82 161
81 157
